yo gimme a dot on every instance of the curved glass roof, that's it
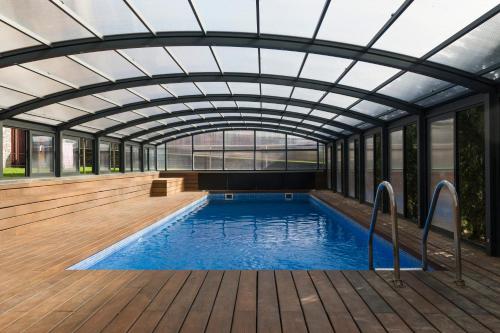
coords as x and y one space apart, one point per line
152 70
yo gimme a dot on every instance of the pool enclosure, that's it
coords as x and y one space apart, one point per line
404 91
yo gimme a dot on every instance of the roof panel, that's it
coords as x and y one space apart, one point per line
109 63
120 97
151 111
274 106
108 17
342 15
43 19
154 60
276 90
412 35
88 103
36 119
174 107
244 88
126 116
324 68
151 92
10 97
341 101
290 17
323 114
224 104
281 62
307 94
227 15
101 123
57 112
29 82
237 59
411 86
200 105
13 39
370 108
367 76
182 89
212 88
443 96
194 58
298 109
347 120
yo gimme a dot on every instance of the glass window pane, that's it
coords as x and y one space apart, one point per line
228 15
70 155
182 89
270 140
243 88
321 156
109 63
208 141
207 160
42 155
213 88
352 169
368 76
43 19
443 96
369 170
115 157
136 158
176 16
160 157
281 62
302 160
238 160
337 24
26 81
442 151
88 103
10 97
120 97
151 92
101 123
324 68
152 159
237 59
128 158
104 156
450 15
239 140
224 104
396 175
13 39
276 90
370 108
307 94
270 160
290 17
179 154
342 101
297 142
347 120
57 112
86 156
194 58
340 167
411 86
14 152
329 167
154 60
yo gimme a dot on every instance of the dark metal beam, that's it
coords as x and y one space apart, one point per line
231 118
210 77
212 98
268 128
307 45
224 111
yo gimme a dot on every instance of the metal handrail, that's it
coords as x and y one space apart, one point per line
456 231
398 283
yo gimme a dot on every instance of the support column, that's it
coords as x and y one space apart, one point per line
345 162
141 157
122 156
97 162
492 173
423 182
384 142
58 148
361 168
334 166
1 150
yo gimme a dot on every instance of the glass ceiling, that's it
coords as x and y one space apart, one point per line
141 70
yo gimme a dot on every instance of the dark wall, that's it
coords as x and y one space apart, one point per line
258 181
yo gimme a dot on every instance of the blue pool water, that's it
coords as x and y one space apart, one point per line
254 231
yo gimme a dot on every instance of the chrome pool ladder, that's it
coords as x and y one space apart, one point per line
398 283
456 229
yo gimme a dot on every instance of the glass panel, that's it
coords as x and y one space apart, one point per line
323 114
101 123
276 90
182 89
298 109
237 59
104 157
200 105
194 58
368 76
291 17
243 88
369 170
213 88
14 152
321 156
65 69
411 86
151 92
281 62
340 167
396 175
207 160
109 63
347 120
471 181
225 104
342 101
208 141
337 24
424 36
36 119
10 97
86 156
324 68
270 160
125 116
136 158
154 60
329 167
179 155
238 160
493 75
370 108
270 140
115 157
302 160
411 172
160 157
152 158
109 17
88 103
26 81
57 112
128 158
239 140
307 94
442 166
297 142
120 97
42 155
352 169
443 96
13 39
43 19
70 155
176 16
228 15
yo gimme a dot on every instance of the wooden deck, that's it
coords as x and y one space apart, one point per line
37 294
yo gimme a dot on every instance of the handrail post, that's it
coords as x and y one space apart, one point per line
456 230
398 283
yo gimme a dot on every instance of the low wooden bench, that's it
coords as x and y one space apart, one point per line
163 187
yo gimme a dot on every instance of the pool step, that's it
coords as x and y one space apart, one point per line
163 187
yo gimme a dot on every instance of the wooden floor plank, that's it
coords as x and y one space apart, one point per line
292 316
245 310
268 314
221 317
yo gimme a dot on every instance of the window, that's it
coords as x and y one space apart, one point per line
321 156
238 140
160 157
302 159
179 154
207 160
42 155
369 169
128 158
411 171
270 140
239 160
136 158
152 159
352 169
14 152
86 156
396 163
104 157
70 157
115 157
329 167
340 167
270 160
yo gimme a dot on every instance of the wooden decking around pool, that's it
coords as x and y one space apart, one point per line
37 294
